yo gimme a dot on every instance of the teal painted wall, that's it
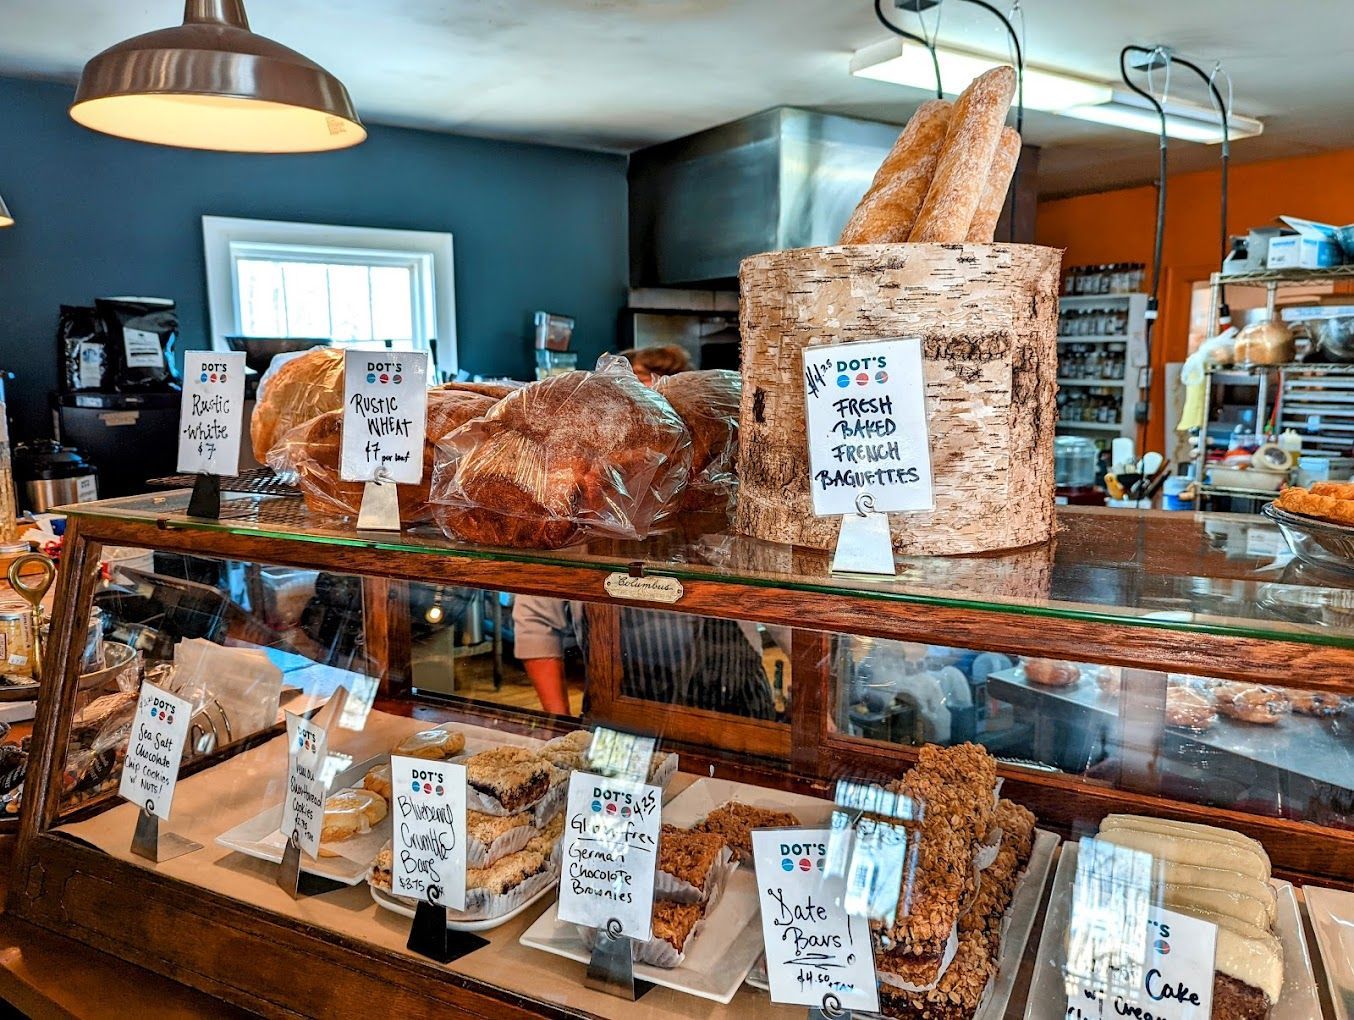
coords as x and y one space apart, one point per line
534 227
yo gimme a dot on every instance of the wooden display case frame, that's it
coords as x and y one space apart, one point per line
197 936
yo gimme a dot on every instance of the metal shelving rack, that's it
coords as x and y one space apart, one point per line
1134 339
1322 389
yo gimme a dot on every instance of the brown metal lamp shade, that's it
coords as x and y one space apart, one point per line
6 220
213 84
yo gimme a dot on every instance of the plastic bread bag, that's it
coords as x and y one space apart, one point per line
241 683
312 451
708 402
574 455
295 388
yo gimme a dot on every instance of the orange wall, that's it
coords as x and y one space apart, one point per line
1117 226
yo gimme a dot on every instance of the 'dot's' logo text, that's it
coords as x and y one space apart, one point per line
427 781
385 372
213 371
802 856
162 710
611 802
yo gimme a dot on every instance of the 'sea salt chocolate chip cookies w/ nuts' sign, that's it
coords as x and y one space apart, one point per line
154 750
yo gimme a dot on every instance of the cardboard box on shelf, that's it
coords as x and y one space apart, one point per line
1313 246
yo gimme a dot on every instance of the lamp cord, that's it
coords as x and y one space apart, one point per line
1161 211
1216 96
935 61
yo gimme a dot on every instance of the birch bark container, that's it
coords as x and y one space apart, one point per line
987 315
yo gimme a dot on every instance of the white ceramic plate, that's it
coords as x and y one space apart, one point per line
1332 914
730 941
389 902
260 836
1019 921
1298 1000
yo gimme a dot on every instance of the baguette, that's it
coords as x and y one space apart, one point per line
890 206
984 226
966 158
1334 490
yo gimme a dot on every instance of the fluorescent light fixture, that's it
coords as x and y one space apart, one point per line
901 62
907 63
1187 121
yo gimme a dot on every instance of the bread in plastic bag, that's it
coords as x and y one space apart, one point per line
295 389
708 403
312 450
577 454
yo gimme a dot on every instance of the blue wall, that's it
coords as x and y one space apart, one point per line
534 227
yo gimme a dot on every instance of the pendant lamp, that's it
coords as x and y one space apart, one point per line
213 84
6 220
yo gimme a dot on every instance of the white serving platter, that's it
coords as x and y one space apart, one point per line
1298 999
389 902
730 941
1332 915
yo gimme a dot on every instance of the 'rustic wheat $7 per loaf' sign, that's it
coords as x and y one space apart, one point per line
865 407
385 410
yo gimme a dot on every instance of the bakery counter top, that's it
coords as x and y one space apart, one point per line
1131 583
1255 767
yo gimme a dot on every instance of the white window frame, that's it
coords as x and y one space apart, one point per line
428 253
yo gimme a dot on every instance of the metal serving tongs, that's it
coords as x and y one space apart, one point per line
33 592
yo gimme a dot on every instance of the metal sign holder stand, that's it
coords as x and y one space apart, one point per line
206 498
152 844
429 935
612 967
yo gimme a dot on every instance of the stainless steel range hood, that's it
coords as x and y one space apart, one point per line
783 178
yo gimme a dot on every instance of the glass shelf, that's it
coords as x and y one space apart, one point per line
1225 574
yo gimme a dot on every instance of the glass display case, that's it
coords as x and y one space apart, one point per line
1141 666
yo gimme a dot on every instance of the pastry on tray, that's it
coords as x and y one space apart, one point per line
512 776
349 813
734 821
1315 702
1052 672
673 923
1222 877
1332 509
1017 825
505 874
379 875
1190 708
434 745
689 864
956 995
378 780
1252 703
547 838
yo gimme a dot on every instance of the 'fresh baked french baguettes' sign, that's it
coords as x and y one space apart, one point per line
154 750
303 806
865 408
816 953
211 416
610 851
428 831
385 410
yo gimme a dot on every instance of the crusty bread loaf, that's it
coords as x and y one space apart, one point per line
966 158
301 388
313 449
578 453
708 403
983 229
890 206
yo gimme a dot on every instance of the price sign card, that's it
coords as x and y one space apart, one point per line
154 750
385 407
428 841
303 808
211 418
816 953
610 849
865 405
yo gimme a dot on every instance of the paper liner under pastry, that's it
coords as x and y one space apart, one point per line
664 773
545 809
946 956
986 853
655 952
480 855
480 904
668 887
488 804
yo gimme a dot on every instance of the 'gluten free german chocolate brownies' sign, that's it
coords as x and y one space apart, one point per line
610 852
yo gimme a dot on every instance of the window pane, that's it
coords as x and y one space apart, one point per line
262 306
349 303
392 311
307 289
